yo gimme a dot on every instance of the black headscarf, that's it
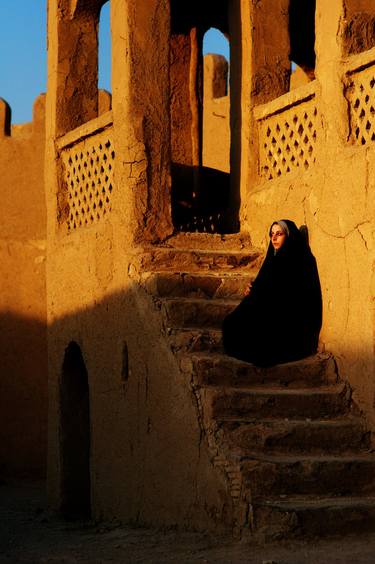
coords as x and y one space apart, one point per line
280 319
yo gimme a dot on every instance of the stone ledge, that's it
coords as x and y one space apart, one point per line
286 101
85 130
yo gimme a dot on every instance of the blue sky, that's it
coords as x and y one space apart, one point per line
23 72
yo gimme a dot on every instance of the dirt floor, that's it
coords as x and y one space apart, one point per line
29 534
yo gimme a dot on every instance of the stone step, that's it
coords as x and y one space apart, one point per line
313 517
166 259
222 370
209 286
297 436
345 474
220 242
277 403
196 340
189 312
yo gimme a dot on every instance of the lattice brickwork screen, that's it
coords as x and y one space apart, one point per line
361 96
288 140
88 175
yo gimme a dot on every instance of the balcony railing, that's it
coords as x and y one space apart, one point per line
360 93
288 132
86 155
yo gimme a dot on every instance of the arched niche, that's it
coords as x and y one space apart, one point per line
74 436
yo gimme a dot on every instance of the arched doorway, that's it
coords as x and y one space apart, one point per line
75 435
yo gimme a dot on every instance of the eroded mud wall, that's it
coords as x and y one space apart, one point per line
316 166
148 460
23 339
358 26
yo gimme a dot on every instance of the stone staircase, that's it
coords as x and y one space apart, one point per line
293 448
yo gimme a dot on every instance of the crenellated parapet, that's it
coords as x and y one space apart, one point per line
23 218
5 118
215 76
24 130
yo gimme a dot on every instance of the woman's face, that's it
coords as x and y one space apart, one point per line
277 237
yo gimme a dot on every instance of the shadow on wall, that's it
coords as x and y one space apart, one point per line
23 396
140 412
23 337
141 415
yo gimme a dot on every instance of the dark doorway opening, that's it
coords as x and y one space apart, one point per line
201 195
75 436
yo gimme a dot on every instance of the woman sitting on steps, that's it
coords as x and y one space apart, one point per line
280 319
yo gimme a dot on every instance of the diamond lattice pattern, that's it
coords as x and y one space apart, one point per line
88 175
288 140
361 95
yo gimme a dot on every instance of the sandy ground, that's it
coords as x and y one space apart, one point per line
29 534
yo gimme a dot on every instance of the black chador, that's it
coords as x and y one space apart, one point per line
280 319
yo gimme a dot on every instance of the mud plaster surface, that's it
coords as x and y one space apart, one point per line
29 534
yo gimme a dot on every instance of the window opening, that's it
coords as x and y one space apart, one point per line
104 59
216 102
302 42
215 42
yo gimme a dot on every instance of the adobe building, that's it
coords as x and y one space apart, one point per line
23 302
153 235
